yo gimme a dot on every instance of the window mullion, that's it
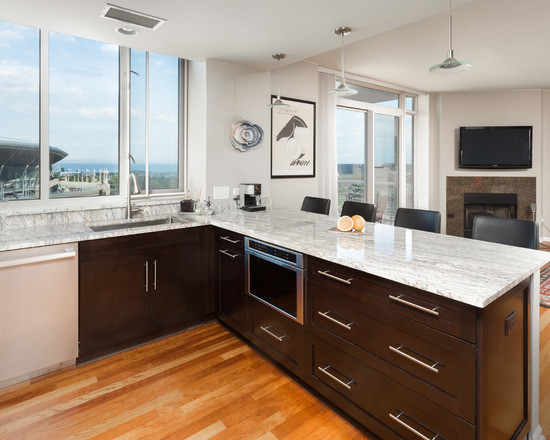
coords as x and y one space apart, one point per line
370 157
147 123
44 136
124 121
401 157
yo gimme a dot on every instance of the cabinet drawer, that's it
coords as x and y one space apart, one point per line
405 412
435 364
437 312
229 240
282 338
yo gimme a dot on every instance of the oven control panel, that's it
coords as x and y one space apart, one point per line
274 251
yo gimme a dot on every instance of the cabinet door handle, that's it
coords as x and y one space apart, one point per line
410 428
146 277
229 240
266 329
155 275
223 251
330 318
412 358
413 305
344 384
329 275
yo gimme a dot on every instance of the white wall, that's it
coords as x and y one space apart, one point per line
196 123
523 107
235 92
300 81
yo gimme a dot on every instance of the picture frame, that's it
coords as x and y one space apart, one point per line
293 139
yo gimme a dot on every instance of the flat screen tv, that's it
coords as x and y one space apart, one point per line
495 147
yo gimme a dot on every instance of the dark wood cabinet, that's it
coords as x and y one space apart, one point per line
114 304
138 287
231 280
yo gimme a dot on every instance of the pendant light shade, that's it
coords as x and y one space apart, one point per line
343 89
451 64
278 102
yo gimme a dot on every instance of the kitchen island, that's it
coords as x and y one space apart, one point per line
471 273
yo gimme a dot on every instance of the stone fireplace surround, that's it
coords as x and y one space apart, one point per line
457 186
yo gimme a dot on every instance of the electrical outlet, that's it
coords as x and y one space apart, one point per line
221 192
236 192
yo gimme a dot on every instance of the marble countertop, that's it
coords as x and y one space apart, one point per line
469 271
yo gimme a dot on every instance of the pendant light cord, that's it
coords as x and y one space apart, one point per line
450 29
278 81
342 61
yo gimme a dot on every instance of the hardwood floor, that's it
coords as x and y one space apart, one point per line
197 385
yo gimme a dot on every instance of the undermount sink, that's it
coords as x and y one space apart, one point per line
126 224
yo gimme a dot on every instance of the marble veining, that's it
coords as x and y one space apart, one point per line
469 271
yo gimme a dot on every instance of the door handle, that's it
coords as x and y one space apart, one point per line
146 277
344 384
229 240
223 251
410 428
266 329
329 275
336 321
415 360
413 305
155 275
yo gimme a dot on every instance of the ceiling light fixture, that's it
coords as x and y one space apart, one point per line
343 89
278 102
127 31
451 65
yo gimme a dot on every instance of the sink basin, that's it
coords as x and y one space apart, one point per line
126 224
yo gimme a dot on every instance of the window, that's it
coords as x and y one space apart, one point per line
90 105
155 109
386 177
352 130
84 78
375 148
19 112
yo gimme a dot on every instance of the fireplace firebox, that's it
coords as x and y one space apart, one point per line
491 205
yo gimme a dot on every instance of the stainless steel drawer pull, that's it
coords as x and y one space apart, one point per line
266 329
229 240
327 274
155 275
146 277
410 428
223 251
330 318
416 306
344 384
412 358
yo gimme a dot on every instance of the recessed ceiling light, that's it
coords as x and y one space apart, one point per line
127 31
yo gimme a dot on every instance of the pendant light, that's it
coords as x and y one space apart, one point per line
451 65
278 102
343 89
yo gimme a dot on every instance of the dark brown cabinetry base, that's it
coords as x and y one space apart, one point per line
139 287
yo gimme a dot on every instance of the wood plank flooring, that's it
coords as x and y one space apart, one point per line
197 385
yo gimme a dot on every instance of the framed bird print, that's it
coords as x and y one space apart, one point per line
292 139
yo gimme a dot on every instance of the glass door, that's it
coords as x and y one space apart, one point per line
386 166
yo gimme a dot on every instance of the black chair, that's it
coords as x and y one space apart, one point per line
523 233
365 210
420 219
316 204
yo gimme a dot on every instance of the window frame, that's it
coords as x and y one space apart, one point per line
44 202
370 109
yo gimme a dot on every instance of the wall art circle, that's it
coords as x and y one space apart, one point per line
245 135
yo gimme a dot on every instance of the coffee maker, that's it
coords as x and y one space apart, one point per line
250 197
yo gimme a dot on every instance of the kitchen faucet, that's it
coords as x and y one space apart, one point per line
131 179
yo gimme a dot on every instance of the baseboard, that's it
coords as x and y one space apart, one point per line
36 373
535 434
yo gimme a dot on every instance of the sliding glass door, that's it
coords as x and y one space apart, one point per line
386 165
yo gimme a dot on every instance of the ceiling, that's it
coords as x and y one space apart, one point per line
506 40
392 40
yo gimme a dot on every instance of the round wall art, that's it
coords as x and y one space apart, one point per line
245 135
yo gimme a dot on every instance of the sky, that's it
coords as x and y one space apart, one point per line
84 94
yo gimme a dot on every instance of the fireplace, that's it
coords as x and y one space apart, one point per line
489 205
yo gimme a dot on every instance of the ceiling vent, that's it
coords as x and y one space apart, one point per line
131 17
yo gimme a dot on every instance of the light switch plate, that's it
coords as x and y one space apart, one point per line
221 192
236 192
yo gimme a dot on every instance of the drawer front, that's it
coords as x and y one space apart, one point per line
437 312
408 414
227 240
283 338
435 364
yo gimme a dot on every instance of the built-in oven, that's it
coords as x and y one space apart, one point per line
276 277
